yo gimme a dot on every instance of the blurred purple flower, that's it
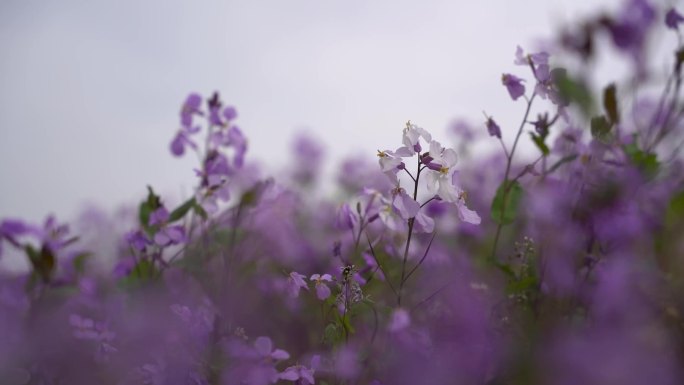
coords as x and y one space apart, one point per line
493 128
295 282
514 85
322 289
180 142
300 373
166 235
190 108
10 229
673 19
399 320
264 347
534 59
137 239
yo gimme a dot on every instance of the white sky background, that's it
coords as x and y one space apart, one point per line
90 91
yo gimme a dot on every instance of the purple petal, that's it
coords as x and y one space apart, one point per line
263 345
280 354
290 374
322 291
673 19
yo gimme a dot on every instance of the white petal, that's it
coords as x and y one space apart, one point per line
436 150
467 215
425 224
449 157
431 179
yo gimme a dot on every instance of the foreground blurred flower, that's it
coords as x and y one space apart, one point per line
673 19
300 373
264 346
399 320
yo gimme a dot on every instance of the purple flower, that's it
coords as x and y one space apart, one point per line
673 18
399 320
464 213
629 29
217 189
534 59
345 218
191 107
300 373
138 240
423 223
170 235
229 113
166 235
10 229
322 290
493 128
180 142
295 282
264 347
514 85
54 235
404 205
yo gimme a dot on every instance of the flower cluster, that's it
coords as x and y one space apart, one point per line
441 264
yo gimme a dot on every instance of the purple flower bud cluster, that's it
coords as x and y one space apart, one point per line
562 265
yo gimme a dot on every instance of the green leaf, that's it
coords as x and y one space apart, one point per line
646 162
143 271
79 261
504 210
561 162
150 204
572 90
610 104
199 210
539 141
675 211
43 262
181 210
332 334
600 127
522 285
252 196
346 322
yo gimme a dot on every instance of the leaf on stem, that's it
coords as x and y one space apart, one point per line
506 201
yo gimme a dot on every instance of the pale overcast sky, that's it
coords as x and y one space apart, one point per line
91 89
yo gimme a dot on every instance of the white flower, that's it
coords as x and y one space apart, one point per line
439 181
412 134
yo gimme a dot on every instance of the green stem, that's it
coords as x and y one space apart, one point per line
509 161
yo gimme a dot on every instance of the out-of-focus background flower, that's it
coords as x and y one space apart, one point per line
87 86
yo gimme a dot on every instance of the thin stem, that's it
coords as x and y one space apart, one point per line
411 221
380 267
509 160
409 173
427 250
503 145
431 296
428 201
